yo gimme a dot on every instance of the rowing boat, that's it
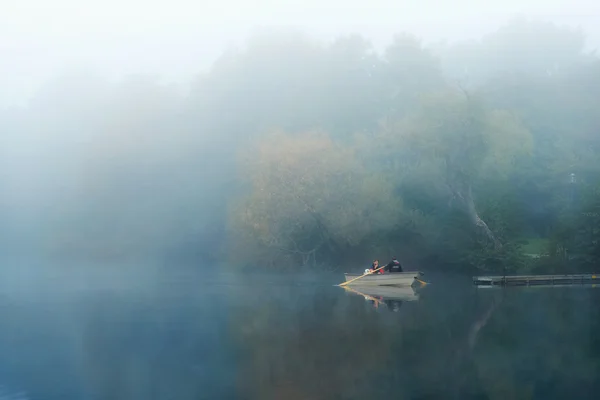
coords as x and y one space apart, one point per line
388 279
402 293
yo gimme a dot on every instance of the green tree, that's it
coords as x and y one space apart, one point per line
408 71
454 144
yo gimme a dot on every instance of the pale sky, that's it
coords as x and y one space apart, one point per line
176 39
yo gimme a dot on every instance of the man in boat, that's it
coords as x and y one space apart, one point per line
374 266
393 266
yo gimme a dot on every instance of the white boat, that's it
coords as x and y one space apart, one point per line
402 293
387 279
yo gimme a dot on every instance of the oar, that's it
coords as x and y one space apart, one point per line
366 296
423 283
358 277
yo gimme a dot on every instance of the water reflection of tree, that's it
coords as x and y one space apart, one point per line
335 347
315 346
538 346
516 343
318 343
508 344
432 359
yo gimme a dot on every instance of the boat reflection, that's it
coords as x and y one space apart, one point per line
391 297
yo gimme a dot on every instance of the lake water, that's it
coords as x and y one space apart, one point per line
186 335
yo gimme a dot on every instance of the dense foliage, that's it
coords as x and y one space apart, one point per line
292 152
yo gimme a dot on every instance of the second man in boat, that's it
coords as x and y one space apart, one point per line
393 266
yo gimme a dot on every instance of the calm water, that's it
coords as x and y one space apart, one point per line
107 335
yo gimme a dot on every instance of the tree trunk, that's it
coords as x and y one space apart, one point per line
468 205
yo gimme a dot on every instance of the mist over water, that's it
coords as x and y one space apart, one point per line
189 336
182 186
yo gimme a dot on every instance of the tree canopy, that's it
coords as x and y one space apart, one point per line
290 152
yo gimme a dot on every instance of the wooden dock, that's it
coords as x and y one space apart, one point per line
531 280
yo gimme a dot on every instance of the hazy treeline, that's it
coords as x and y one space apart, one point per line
293 152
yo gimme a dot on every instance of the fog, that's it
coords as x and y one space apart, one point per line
141 129
181 186
179 39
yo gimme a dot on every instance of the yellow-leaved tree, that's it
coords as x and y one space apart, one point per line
308 198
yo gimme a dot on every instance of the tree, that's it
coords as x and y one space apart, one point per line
533 47
352 87
522 47
308 196
454 143
276 82
408 70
